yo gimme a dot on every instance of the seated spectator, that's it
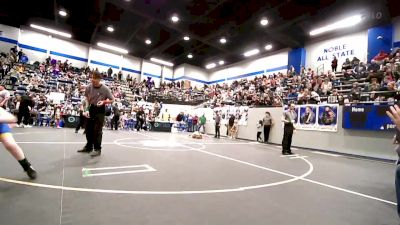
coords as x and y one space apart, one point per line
347 65
355 93
326 87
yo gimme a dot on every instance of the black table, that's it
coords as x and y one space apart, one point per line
161 126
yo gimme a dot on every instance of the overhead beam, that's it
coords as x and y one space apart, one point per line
100 22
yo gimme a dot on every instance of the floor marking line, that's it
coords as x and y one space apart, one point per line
299 157
62 183
324 153
116 167
349 191
301 177
86 174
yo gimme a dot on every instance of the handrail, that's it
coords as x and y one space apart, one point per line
318 68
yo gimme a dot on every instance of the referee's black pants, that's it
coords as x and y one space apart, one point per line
81 123
287 138
94 127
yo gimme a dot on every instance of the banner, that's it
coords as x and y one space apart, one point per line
307 115
241 114
367 117
327 117
321 117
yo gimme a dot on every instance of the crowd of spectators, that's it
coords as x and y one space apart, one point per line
357 81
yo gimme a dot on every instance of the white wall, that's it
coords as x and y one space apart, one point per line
132 63
194 73
9 33
349 46
265 64
365 143
37 40
104 57
57 45
396 29
153 69
168 73
179 72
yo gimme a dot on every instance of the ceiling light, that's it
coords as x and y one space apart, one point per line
347 22
110 29
175 19
190 56
51 31
186 38
222 40
162 62
211 65
268 47
263 22
117 49
221 62
251 52
62 13
148 41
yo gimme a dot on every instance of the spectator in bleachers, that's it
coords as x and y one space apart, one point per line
356 93
373 67
326 87
334 64
360 70
347 65
109 72
4 97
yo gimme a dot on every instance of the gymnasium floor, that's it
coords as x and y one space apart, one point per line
160 178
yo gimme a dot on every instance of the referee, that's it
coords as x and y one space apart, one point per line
97 96
289 118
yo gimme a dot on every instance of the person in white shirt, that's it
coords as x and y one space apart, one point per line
4 96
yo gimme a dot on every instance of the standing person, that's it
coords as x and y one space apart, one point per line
9 143
394 115
82 118
217 125
115 119
288 118
97 96
334 64
259 130
195 121
24 109
231 122
267 122
203 121
109 72
140 117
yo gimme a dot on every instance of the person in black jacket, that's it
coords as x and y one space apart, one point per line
115 119
140 119
24 109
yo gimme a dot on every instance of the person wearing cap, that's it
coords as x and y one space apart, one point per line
97 96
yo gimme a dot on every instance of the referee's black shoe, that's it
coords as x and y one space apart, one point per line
84 150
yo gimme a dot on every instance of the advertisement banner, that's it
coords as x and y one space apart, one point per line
321 117
307 117
240 113
367 117
327 117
